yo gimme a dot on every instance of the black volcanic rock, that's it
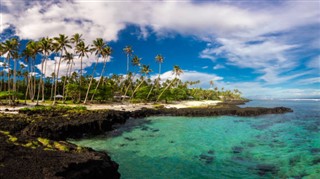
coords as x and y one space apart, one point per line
23 162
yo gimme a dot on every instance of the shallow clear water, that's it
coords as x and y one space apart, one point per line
268 146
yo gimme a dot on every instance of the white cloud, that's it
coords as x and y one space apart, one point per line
187 75
307 81
218 66
204 67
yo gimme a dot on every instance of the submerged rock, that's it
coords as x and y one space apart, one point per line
206 158
130 139
237 149
264 169
211 152
315 150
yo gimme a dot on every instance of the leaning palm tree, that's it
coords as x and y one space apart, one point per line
159 59
177 71
82 50
97 48
135 62
128 51
61 44
45 45
105 54
145 70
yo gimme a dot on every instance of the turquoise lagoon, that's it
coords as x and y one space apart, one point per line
267 146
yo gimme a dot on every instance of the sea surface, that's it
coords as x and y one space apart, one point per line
267 146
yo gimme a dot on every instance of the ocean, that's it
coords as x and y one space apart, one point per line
267 146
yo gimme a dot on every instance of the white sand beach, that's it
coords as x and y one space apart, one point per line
124 106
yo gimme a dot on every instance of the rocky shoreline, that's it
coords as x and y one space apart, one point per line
33 142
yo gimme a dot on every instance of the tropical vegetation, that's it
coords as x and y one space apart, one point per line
31 81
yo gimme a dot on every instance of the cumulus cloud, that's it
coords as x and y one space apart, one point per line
252 90
189 75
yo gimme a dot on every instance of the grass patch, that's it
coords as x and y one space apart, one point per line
42 109
29 145
158 106
60 147
5 132
12 138
43 141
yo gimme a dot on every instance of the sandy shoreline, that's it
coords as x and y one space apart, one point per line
125 106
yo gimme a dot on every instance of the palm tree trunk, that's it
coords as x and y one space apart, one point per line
165 89
127 63
70 77
14 80
45 71
85 99
64 84
135 90
8 67
27 90
56 81
95 90
153 87
80 89
40 82
34 81
14 75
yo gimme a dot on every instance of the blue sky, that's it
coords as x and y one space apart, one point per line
267 49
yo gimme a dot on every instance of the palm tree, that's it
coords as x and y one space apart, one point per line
68 57
177 71
105 54
135 62
76 39
83 51
10 48
159 59
128 51
33 50
26 53
211 84
98 48
145 70
45 45
61 44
